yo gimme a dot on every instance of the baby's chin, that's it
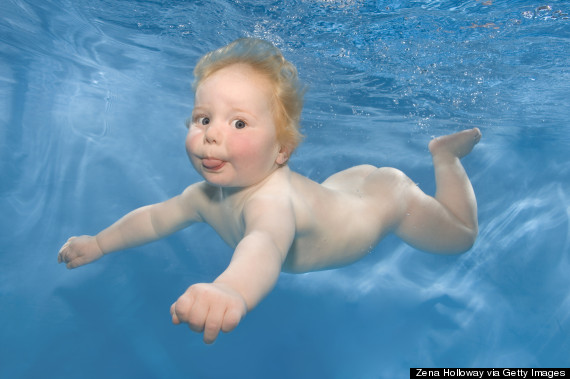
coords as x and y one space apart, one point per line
217 179
223 182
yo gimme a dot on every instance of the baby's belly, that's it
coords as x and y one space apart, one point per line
323 257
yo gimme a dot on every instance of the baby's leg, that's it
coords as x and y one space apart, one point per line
446 223
453 188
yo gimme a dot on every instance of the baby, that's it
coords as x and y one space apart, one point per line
244 128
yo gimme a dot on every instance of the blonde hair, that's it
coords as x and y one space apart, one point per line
267 60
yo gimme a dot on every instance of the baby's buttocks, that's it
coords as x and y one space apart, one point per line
350 180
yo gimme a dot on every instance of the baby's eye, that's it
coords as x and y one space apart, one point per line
239 124
204 120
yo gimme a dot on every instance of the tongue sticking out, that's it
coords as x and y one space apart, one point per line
212 164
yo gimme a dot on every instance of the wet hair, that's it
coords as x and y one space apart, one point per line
266 59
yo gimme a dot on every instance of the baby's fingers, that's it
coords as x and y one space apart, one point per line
62 251
197 315
175 319
76 262
180 310
65 255
214 323
231 319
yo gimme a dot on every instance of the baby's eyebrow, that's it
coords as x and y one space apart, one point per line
198 110
244 112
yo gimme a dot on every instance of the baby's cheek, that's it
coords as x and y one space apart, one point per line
243 148
191 140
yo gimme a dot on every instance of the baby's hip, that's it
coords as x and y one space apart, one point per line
350 180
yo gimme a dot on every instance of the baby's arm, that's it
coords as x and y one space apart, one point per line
446 223
251 274
138 227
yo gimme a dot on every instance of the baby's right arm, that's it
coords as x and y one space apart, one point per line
138 227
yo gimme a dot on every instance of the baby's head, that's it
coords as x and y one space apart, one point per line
267 60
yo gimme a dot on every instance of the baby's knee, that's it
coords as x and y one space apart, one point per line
469 237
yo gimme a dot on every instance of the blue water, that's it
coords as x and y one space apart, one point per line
93 98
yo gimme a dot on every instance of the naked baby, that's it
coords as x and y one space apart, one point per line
243 130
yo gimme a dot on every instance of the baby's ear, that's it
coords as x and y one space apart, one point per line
283 156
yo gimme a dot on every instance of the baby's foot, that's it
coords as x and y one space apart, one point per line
458 145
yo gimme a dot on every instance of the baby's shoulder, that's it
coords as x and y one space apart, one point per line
198 196
198 190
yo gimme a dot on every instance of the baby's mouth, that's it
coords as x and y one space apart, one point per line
212 164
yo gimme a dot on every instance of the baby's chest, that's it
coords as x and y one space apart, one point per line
227 222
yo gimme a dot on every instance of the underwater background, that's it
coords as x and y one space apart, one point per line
93 99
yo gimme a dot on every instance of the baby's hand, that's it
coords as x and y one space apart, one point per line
79 251
209 307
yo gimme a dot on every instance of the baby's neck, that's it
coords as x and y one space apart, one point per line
243 192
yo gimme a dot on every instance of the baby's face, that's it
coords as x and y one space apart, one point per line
232 139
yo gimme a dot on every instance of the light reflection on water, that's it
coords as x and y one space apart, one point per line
94 98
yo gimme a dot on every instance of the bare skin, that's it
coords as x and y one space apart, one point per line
278 220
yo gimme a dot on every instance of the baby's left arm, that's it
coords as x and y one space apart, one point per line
251 274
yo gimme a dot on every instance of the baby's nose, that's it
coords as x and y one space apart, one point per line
212 134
